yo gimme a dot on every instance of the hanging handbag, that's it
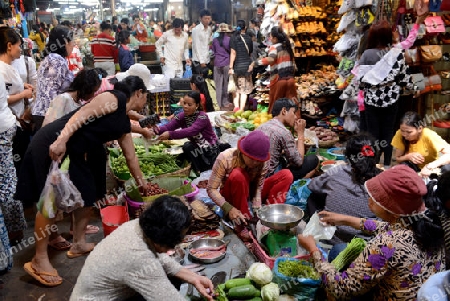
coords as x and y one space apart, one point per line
434 24
433 80
418 80
445 5
421 7
412 57
430 53
435 6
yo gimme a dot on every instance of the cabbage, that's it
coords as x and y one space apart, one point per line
260 273
270 292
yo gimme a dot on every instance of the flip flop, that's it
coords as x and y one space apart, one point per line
75 255
90 229
28 267
60 244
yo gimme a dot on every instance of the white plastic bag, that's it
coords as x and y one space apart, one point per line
59 193
318 230
231 84
310 136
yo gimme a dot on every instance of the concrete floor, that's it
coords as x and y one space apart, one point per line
19 286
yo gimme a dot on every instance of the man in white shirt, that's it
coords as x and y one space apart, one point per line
173 49
201 38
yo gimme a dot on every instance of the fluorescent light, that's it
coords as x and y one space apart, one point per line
72 6
175 1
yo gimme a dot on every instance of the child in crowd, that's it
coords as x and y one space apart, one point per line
125 56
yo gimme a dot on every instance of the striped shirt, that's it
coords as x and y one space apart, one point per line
224 165
104 48
281 64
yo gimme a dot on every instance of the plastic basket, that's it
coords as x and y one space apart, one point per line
262 255
306 288
113 217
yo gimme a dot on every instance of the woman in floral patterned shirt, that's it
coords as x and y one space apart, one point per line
54 76
407 247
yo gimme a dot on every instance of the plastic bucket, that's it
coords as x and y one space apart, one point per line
133 206
113 217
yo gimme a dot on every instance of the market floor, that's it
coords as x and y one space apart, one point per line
19 286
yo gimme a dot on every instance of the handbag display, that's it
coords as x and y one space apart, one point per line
412 57
433 80
419 80
434 24
430 53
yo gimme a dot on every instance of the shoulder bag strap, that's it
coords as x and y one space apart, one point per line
243 40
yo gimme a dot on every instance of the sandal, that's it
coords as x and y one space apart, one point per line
60 244
28 267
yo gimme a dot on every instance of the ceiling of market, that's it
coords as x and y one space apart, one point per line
120 5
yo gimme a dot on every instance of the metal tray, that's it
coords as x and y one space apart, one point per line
206 242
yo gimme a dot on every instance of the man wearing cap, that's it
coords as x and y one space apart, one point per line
240 173
201 37
173 48
221 50
283 147
406 249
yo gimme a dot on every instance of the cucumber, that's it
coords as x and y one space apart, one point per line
244 292
255 299
236 282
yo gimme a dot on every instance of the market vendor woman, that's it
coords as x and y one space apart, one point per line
418 147
406 249
202 148
81 135
240 173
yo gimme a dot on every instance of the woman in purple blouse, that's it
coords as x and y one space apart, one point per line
202 148
221 49
54 76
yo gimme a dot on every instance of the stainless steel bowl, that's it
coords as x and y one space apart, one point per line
206 242
280 216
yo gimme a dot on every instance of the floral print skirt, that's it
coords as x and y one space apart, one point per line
244 83
8 182
12 209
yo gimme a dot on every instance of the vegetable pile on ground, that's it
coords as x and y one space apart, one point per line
256 286
152 162
297 269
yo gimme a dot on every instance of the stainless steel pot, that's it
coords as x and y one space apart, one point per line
280 216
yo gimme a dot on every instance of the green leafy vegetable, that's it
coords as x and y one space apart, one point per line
152 162
349 254
297 269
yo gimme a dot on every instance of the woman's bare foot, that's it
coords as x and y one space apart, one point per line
78 250
43 268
